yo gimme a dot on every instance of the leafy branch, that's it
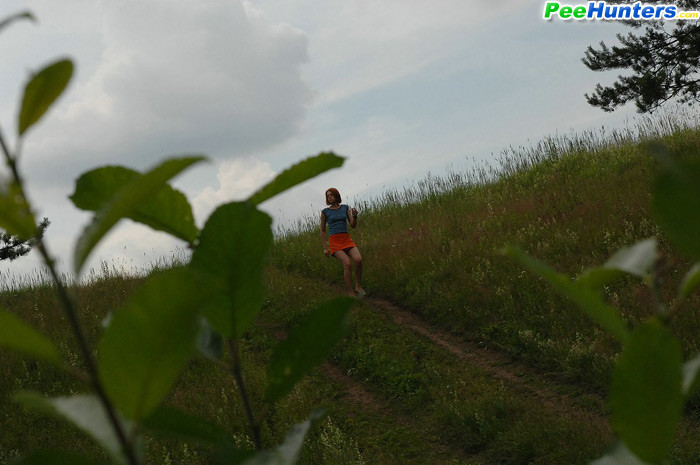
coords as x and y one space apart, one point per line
202 306
650 382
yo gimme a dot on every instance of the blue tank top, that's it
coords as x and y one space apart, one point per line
337 220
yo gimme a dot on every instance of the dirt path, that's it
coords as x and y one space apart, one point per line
515 375
368 402
356 392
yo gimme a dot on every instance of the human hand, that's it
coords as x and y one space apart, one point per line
326 252
354 212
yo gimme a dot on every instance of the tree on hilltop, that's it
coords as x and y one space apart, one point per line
665 64
13 247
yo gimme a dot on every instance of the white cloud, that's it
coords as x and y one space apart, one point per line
364 44
176 77
238 179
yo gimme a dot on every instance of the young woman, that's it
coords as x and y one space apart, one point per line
337 216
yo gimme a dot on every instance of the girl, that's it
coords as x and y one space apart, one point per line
341 245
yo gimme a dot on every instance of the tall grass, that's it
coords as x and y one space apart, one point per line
569 200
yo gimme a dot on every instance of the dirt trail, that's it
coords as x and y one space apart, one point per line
437 451
551 394
515 375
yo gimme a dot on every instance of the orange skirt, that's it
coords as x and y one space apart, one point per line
340 241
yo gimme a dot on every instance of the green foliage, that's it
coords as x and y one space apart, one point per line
645 394
126 202
84 411
691 281
15 215
677 204
288 452
289 178
620 455
649 383
305 347
147 343
636 260
661 64
13 247
42 91
170 422
17 335
232 252
589 301
165 210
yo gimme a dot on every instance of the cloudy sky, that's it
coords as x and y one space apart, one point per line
400 87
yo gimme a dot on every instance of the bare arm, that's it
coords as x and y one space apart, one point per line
324 243
352 217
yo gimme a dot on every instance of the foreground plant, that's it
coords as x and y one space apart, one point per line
204 306
650 381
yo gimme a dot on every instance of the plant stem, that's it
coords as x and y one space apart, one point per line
238 376
70 310
79 333
5 149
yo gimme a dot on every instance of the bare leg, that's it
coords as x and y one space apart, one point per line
347 270
357 258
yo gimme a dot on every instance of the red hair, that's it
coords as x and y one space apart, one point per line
335 193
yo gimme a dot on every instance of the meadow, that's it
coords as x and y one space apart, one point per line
458 355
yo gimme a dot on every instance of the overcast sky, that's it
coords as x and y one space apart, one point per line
399 87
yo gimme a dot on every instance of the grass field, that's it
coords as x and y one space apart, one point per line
458 356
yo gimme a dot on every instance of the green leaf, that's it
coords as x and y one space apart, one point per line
691 381
9 20
595 278
166 210
637 260
42 91
645 395
288 452
620 455
173 423
15 216
83 410
302 171
232 251
306 346
209 342
691 281
53 457
126 202
17 335
588 300
150 340
676 204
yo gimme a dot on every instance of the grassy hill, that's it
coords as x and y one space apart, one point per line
458 355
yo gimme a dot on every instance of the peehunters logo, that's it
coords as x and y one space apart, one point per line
603 11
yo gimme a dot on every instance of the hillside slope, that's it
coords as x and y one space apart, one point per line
439 256
457 356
